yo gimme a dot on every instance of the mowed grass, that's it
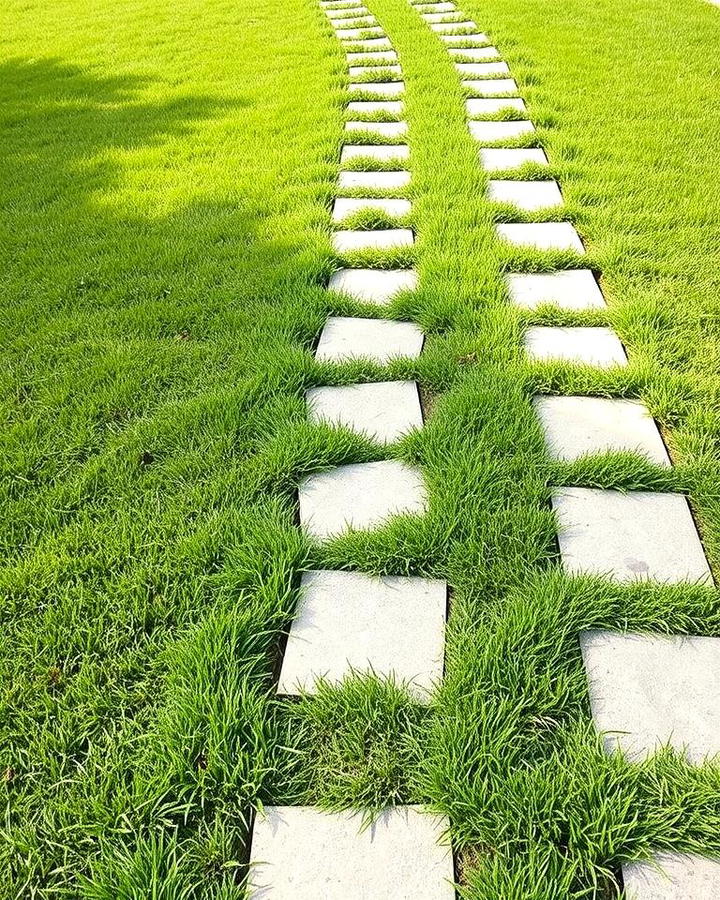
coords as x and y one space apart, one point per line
167 216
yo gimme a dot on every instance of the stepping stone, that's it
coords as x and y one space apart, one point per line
499 159
384 411
379 340
476 39
481 70
375 151
578 426
490 132
369 44
342 13
569 289
379 88
488 107
385 129
436 7
375 180
302 853
344 207
476 53
492 87
359 20
360 496
373 285
393 107
438 16
649 690
377 56
445 27
526 195
673 876
542 235
588 346
347 621
632 536
362 71
356 34
375 239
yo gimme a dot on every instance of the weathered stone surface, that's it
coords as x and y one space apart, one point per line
377 239
301 853
589 346
391 626
673 876
542 235
578 426
360 496
384 411
373 285
569 289
648 691
529 196
379 340
629 536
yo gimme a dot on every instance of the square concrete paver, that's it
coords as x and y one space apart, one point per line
368 44
578 426
347 12
673 876
542 235
474 53
303 853
500 160
445 27
647 691
394 627
346 206
491 87
360 21
354 34
379 340
379 88
372 71
360 496
488 106
569 289
526 195
629 537
491 132
373 285
443 16
588 346
476 40
394 107
384 152
435 7
376 56
482 70
384 129
380 239
384 411
376 180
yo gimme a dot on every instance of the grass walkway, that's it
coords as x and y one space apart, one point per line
167 239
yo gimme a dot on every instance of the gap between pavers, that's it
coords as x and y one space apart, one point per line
529 196
378 239
585 345
393 627
373 285
569 289
672 876
579 426
384 152
384 129
360 496
488 106
393 107
375 180
492 132
303 853
541 235
378 88
379 340
384 411
481 70
633 536
652 690
347 206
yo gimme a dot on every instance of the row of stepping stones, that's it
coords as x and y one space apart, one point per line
351 620
646 691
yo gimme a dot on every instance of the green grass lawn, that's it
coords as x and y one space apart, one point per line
167 176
